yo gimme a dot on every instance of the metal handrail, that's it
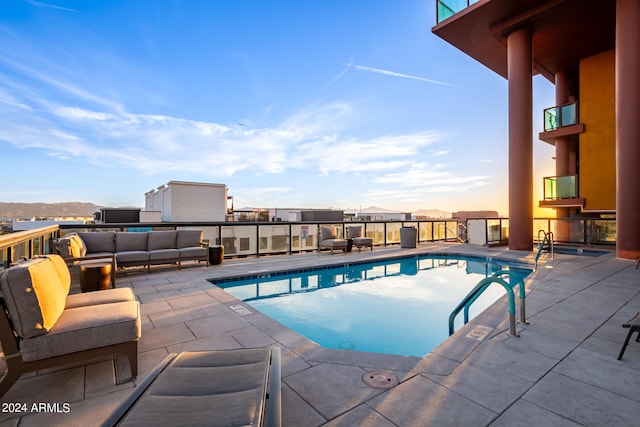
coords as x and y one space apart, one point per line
548 237
479 289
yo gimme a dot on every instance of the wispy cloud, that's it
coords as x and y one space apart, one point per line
399 75
50 6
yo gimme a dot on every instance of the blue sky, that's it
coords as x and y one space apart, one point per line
315 103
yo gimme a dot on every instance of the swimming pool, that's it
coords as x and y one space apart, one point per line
398 306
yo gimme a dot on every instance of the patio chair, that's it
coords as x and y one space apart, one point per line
634 326
328 239
42 326
354 232
240 387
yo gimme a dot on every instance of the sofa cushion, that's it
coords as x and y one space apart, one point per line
189 238
162 240
71 246
132 257
34 295
194 253
164 255
99 241
84 328
106 296
60 267
128 241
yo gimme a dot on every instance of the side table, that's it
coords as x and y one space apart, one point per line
216 254
95 276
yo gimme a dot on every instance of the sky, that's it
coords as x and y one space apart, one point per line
299 104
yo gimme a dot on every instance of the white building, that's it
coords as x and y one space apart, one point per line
179 201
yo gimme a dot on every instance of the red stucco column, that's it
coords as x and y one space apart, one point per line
563 155
519 58
628 129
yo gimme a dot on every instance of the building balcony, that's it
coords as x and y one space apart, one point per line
561 192
448 8
559 121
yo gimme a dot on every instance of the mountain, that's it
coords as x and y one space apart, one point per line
29 210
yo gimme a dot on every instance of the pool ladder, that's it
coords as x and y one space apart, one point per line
548 237
481 287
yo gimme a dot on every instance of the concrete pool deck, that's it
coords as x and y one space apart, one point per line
561 371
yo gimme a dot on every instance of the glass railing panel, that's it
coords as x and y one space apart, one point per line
494 231
568 115
425 231
239 240
560 187
273 238
4 259
601 231
393 232
304 237
551 118
560 116
375 230
448 8
20 250
452 230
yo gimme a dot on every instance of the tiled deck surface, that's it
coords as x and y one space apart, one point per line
561 371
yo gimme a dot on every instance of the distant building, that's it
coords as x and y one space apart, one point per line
287 215
462 216
179 201
31 224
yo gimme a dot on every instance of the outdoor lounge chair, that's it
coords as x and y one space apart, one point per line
239 387
328 239
634 326
42 326
354 232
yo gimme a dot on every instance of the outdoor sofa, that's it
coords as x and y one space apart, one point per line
136 248
42 326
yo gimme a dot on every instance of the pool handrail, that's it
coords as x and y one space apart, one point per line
548 237
522 295
479 289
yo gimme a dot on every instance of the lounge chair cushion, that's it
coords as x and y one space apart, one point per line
106 296
34 300
327 233
84 328
132 257
354 231
99 242
162 240
212 388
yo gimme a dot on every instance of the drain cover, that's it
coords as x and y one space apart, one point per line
479 333
380 378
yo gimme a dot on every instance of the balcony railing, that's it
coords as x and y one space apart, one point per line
238 238
560 116
578 231
560 187
269 238
448 8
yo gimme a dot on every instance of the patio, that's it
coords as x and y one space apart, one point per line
562 370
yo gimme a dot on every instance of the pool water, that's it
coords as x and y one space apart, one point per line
398 306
